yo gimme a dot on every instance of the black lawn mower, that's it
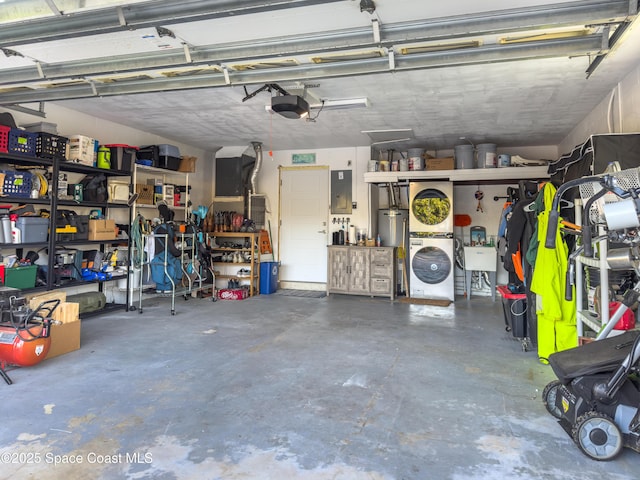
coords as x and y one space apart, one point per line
596 397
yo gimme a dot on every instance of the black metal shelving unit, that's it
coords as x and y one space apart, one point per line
53 203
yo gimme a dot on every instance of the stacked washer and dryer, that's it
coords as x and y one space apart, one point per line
431 241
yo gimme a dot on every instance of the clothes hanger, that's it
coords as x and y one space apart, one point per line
563 204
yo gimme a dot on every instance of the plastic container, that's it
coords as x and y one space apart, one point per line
504 160
268 277
22 142
514 308
82 149
33 229
4 138
122 156
17 184
51 146
21 277
104 158
486 155
162 156
463 155
40 127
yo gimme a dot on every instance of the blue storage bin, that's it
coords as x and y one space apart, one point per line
268 277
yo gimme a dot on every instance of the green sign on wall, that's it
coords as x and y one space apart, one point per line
303 158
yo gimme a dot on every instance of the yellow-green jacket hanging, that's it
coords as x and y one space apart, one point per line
556 316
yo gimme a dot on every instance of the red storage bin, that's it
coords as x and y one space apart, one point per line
4 138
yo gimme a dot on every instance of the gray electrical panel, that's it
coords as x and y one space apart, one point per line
341 191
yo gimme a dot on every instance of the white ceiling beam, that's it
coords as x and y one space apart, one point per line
575 46
580 13
147 14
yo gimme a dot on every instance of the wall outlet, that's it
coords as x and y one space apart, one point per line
354 205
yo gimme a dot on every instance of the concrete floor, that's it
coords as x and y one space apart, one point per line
276 387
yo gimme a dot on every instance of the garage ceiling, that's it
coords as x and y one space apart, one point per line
518 72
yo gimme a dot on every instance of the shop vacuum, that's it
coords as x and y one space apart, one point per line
24 333
596 397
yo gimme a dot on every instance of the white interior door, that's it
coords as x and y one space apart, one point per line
304 212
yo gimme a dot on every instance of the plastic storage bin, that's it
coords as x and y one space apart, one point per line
268 277
82 149
4 138
21 277
33 229
22 142
51 146
122 156
514 307
16 184
162 156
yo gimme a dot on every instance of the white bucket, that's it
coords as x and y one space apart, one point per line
372 166
403 164
487 156
464 156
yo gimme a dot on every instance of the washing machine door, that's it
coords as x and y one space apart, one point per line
431 208
431 265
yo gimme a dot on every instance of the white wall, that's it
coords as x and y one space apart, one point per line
354 159
618 112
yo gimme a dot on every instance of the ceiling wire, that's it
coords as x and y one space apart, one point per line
313 119
53 7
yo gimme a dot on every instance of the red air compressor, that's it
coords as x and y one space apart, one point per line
24 333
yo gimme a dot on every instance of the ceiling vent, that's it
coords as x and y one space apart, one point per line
290 106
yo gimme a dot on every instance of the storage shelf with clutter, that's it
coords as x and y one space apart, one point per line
235 255
155 186
42 177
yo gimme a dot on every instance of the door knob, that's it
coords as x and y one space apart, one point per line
322 231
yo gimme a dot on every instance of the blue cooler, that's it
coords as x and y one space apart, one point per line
268 277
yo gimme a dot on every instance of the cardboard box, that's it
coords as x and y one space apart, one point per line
65 338
102 230
145 194
440 163
36 299
187 164
232 293
67 312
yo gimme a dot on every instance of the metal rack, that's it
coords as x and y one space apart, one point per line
598 322
193 286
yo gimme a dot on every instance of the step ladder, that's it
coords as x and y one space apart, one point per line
264 242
